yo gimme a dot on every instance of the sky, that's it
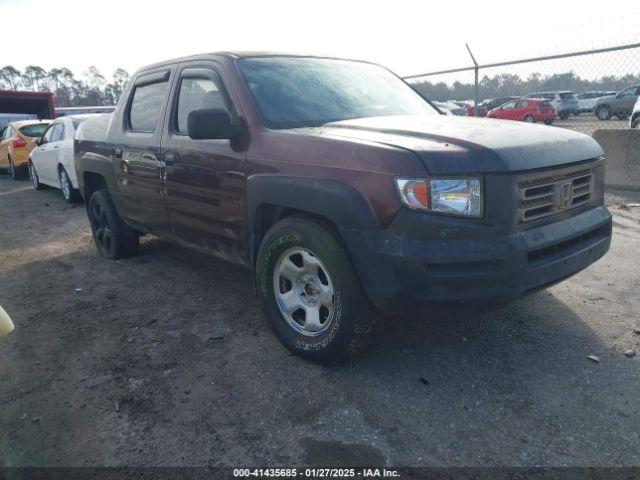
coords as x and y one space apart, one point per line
409 37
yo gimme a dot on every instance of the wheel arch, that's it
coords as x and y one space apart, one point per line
335 204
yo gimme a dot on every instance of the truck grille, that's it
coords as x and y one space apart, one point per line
549 195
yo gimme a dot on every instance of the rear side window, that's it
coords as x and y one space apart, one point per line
34 130
544 104
58 133
196 94
146 106
566 95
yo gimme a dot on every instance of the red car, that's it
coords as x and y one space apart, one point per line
527 110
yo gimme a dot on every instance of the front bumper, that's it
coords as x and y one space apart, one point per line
424 258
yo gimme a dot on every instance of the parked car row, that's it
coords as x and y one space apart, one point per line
604 104
44 150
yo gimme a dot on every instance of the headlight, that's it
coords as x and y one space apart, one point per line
453 196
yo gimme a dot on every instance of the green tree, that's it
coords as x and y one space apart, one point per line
10 77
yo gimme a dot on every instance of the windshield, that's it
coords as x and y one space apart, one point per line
35 130
302 92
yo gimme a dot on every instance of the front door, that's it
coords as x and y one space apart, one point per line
136 153
204 179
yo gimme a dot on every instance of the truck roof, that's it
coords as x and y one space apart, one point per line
236 55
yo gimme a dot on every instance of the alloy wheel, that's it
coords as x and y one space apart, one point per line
65 184
604 113
304 292
103 233
33 174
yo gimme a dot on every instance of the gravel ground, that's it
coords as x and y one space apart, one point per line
164 359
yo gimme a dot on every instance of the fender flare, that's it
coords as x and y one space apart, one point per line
336 201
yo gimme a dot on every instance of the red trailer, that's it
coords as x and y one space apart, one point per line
35 103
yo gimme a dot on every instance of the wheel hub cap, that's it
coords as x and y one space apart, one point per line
304 292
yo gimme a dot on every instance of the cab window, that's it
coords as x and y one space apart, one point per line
196 94
146 106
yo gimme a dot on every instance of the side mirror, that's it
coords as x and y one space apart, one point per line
211 123
41 141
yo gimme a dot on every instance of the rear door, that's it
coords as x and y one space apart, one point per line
520 110
204 179
137 152
52 160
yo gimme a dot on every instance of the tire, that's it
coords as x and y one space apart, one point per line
549 122
33 176
323 279
563 115
635 123
15 173
70 194
530 119
113 238
603 113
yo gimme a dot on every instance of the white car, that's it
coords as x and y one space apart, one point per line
51 162
634 121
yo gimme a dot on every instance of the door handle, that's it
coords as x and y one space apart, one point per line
117 152
169 158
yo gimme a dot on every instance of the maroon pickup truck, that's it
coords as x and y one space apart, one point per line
340 188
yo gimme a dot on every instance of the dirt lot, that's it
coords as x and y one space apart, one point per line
165 359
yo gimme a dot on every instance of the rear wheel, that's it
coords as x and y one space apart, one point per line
112 236
70 194
15 173
635 123
35 180
529 119
563 115
603 113
310 293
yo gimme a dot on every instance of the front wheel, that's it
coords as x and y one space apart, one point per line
112 236
310 293
530 119
635 123
603 113
70 194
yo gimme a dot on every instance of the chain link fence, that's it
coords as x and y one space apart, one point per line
590 91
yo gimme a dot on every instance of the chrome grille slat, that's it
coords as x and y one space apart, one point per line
553 194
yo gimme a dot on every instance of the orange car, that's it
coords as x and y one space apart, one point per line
16 143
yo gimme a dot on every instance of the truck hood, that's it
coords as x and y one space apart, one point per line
455 145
